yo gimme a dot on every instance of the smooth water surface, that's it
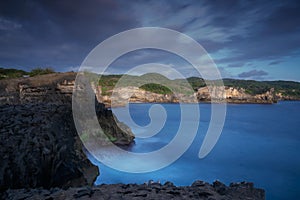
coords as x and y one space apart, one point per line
259 143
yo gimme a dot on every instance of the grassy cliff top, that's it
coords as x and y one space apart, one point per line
152 82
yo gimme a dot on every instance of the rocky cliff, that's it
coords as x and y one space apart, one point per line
123 95
39 145
50 88
40 148
235 95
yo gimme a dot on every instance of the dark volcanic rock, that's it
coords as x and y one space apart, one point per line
39 145
145 191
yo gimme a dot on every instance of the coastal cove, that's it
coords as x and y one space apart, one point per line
259 143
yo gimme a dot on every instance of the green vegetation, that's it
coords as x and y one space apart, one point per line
12 73
91 135
108 82
196 82
16 73
41 71
156 88
148 82
250 86
289 88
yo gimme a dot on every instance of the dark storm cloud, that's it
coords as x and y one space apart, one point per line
56 33
61 33
253 73
252 30
259 30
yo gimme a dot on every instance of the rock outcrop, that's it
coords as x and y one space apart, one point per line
50 88
235 95
198 190
39 145
122 95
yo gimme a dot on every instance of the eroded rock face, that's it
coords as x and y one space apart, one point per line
198 190
235 95
50 88
39 145
121 96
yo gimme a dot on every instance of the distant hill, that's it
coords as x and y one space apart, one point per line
252 87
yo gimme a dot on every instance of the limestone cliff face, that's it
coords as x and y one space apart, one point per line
281 96
39 144
121 96
235 95
51 88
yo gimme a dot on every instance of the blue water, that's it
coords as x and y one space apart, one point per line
259 143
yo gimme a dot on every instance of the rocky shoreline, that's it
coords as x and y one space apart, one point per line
151 190
40 149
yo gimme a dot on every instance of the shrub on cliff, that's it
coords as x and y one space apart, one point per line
156 88
41 71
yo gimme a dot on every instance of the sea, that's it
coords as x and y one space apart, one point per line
259 143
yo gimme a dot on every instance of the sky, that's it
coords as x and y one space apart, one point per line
257 40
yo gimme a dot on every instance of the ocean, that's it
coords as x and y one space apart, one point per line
259 143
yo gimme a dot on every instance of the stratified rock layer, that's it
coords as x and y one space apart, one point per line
234 95
198 190
123 95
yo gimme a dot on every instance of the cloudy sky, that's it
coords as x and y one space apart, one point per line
246 39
